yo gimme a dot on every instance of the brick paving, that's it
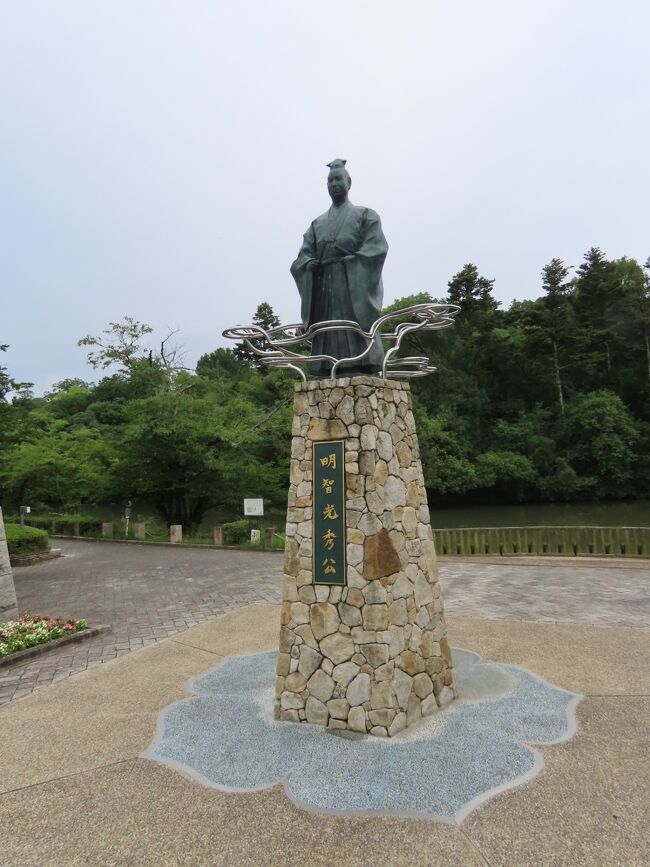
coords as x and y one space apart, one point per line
144 593
149 593
553 590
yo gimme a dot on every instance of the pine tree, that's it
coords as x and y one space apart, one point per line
473 294
595 298
265 318
556 315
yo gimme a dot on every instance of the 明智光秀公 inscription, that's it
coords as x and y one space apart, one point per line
329 513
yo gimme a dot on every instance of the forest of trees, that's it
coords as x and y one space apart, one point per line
548 400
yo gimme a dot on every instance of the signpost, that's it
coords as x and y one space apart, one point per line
329 513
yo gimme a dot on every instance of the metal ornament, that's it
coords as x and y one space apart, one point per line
287 346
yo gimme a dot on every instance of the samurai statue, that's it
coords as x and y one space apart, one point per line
338 274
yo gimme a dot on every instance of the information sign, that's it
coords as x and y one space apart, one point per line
328 544
253 508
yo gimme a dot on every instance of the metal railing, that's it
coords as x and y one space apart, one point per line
566 541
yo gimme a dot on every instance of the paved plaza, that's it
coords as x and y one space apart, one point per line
145 593
79 783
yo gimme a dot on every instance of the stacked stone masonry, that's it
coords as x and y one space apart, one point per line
371 656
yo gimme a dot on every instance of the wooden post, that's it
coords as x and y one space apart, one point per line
139 531
269 533
107 529
218 535
175 533
77 528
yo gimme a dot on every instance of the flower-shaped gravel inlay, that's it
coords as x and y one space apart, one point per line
225 736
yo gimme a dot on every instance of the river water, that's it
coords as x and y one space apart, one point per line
616 514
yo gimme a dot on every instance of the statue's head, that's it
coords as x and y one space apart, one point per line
338 181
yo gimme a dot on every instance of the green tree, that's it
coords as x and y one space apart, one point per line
600 436
631 324
64 468
473 294
8 384
563 483
448 469
120 344
15 400
597 292
547 400
186 452
265 318
509 474
557 320
546 331
219 364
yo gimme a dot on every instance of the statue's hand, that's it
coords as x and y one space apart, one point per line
313 265
347 259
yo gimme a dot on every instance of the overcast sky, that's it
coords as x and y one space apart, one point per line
162 159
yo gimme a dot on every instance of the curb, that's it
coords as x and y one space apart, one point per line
39 649
177 545
36 557
594 560
581 560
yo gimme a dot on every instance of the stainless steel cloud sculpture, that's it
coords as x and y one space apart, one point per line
288 346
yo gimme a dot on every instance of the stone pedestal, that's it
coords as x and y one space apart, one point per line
8 603
369 654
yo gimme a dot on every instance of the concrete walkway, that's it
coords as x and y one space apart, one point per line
146 593
76 791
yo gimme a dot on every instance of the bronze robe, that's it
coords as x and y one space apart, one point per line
343 290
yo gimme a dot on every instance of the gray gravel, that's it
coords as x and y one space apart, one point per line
443 768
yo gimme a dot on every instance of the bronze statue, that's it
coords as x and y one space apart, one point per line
338 274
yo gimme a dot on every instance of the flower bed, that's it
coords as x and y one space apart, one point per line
32 629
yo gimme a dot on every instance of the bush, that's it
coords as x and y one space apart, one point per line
66 525
236 532
25 540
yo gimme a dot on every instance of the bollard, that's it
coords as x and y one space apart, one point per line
107 530
175 533
77 528
138 531
218 535
269 533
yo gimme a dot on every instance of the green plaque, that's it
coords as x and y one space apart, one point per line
329 512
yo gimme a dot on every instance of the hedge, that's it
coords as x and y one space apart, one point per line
68 525
236 532
25 540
